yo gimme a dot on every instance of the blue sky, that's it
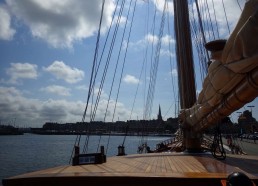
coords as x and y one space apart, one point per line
47 49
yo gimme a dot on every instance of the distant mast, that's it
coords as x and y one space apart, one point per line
185 67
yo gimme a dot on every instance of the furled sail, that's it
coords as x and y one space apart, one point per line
232 79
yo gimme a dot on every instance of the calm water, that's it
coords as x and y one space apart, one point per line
29 152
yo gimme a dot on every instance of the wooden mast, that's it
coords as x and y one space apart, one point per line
185 67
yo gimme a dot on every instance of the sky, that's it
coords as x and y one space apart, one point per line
47 49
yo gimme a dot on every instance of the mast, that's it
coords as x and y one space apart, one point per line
185 65
184 54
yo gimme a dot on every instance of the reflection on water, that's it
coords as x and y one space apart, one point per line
25 153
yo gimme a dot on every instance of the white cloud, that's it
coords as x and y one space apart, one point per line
121 111
130 79
167 39
61 111
166 53
103 93
14 105
61 23
19 71
62 71
174 72
150 39
160 6
56 89
82 87
122 20
34 112
147 40
6 32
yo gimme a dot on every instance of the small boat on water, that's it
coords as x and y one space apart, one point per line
230 83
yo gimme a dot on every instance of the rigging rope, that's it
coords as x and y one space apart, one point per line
171 67
199 40
115 71
205 17
124 60
78 138
207 7
215 17
153 75
93 114
107 62
144 67
239 5
201 25
146 107
144 64
225 15
218 145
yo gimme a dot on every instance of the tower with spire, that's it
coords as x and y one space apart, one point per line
160 119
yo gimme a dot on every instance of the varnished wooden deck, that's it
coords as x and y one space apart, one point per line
153 169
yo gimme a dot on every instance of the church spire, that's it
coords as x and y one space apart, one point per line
159 115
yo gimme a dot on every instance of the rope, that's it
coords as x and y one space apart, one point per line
78 138
199 40
154 69
225 15
210 19
239 5
128 39
144 64
146 104
215 17
144 67
93 114
171 66
218 145
146 107
115 71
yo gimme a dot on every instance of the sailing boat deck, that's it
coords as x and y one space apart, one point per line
160 168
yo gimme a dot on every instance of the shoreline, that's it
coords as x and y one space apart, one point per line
99 134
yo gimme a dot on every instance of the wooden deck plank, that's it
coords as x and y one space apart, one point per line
132 166
163 165
198 165
154 164
119 166
171 165
146 164
157 166
149 168
183 165
141 164
178 165
138 165
194 166
168 168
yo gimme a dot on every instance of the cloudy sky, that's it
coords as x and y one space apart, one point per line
47 49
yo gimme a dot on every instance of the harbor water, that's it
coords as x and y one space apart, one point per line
29 152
